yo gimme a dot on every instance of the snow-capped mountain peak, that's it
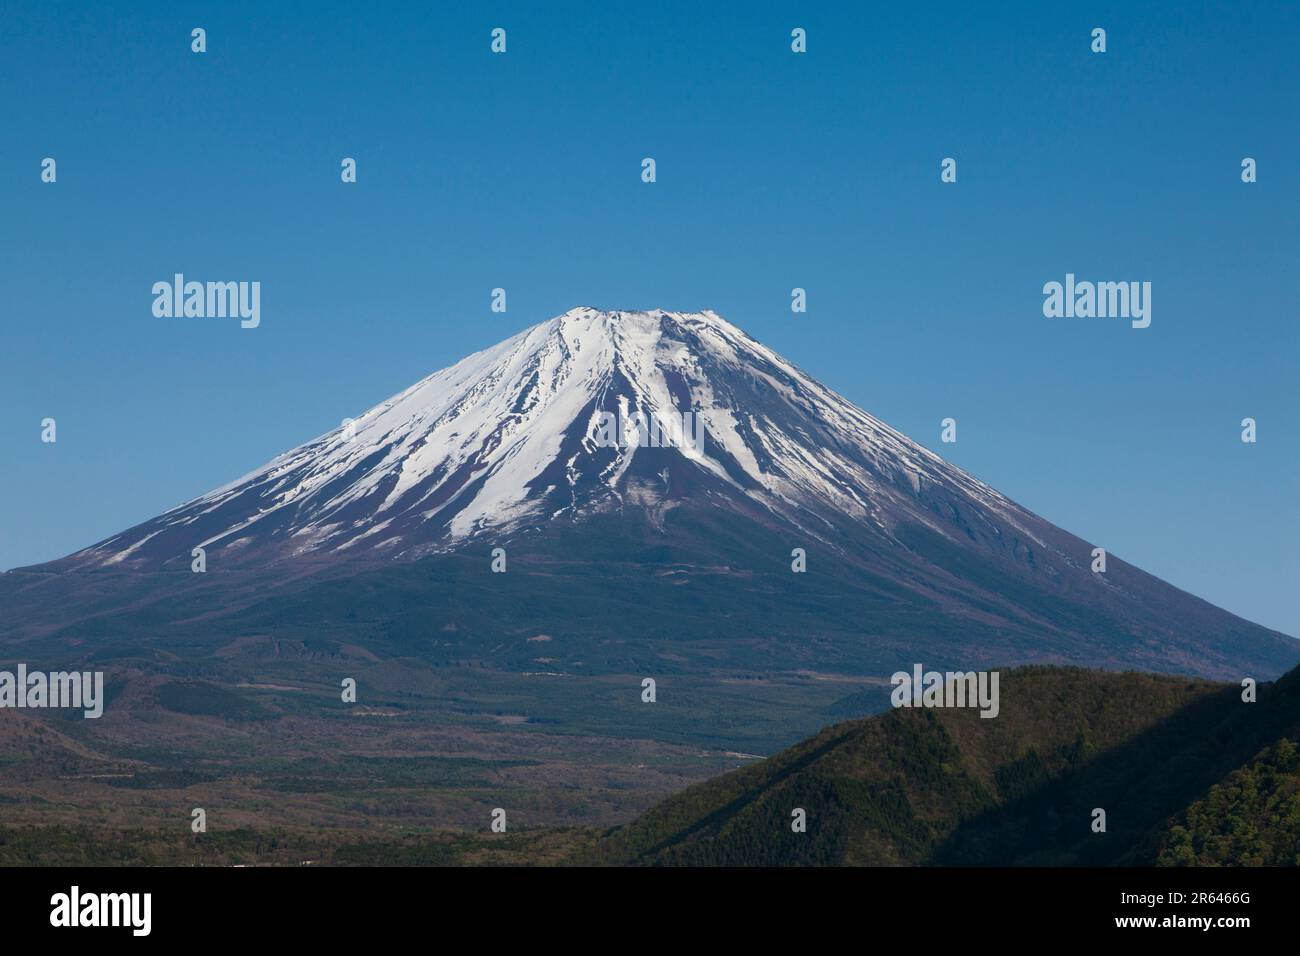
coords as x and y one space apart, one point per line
591 412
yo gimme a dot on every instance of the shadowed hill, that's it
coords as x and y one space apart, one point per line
947 787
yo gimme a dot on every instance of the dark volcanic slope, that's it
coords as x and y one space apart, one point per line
1186 772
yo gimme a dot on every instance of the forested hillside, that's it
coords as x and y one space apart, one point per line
1185 771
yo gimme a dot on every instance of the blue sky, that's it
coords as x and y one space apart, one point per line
775 170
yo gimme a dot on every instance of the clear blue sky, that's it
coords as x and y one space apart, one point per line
775 170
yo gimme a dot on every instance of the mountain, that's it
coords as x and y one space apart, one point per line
378 533
1187 773
506 439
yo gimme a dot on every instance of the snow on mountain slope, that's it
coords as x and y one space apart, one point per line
510 436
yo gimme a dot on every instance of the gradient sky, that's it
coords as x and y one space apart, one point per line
775 170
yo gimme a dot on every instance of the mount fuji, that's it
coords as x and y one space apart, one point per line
507 439
908 558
